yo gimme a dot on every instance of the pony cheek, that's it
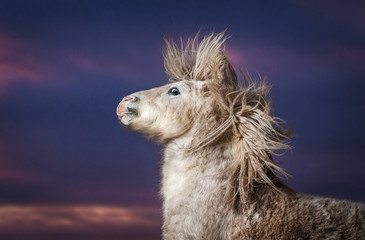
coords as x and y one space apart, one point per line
168 125
149 115
144 119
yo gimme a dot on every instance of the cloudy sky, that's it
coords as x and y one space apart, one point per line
68 170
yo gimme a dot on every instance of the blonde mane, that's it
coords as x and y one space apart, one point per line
203 60
245 112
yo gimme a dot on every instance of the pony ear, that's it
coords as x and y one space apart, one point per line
201 61
211 62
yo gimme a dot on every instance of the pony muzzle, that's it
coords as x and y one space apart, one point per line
127 110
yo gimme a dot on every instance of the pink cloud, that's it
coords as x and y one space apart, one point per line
77 217
11 72
16 63
7 175
236 56
24 61
267 58
8 172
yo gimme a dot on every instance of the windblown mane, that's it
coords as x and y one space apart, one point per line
201 61
245 112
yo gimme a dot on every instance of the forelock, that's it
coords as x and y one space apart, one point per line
199 60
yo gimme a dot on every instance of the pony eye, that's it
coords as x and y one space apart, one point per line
173 91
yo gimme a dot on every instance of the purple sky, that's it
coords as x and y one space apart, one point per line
68 170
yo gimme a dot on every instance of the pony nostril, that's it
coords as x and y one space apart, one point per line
130 98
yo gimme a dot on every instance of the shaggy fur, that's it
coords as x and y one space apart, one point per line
218 177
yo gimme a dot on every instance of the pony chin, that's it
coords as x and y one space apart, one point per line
126 120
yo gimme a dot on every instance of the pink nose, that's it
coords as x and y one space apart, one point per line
122 107
129 98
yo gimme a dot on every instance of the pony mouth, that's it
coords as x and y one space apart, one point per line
132 111
127 114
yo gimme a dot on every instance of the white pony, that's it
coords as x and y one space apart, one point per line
218 177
